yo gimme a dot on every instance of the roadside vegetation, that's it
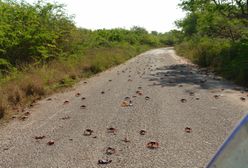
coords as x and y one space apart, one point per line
42 51
214 34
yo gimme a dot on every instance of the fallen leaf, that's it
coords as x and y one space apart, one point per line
103 161
127 103
88 132
188 130
124 104
152 145
110 151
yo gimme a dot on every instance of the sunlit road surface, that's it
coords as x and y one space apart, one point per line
161 112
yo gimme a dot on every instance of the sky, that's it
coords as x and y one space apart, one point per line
158 15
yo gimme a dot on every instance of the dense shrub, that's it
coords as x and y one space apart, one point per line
43 32
223 56
215 35
33 33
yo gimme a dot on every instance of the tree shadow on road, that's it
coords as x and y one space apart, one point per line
179 74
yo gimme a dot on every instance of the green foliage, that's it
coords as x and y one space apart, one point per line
235 65
5 67
171 38
215 35
204 51
40 33
30 33
189 24
223 18
135 36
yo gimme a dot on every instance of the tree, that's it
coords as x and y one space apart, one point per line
216 18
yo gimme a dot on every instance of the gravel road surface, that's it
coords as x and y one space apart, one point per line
155 111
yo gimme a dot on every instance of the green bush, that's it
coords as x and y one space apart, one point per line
33 33
215 35
223 56
40 33
235 63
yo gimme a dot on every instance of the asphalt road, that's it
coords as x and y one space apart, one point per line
156 92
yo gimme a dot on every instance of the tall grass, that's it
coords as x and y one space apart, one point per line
35 82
